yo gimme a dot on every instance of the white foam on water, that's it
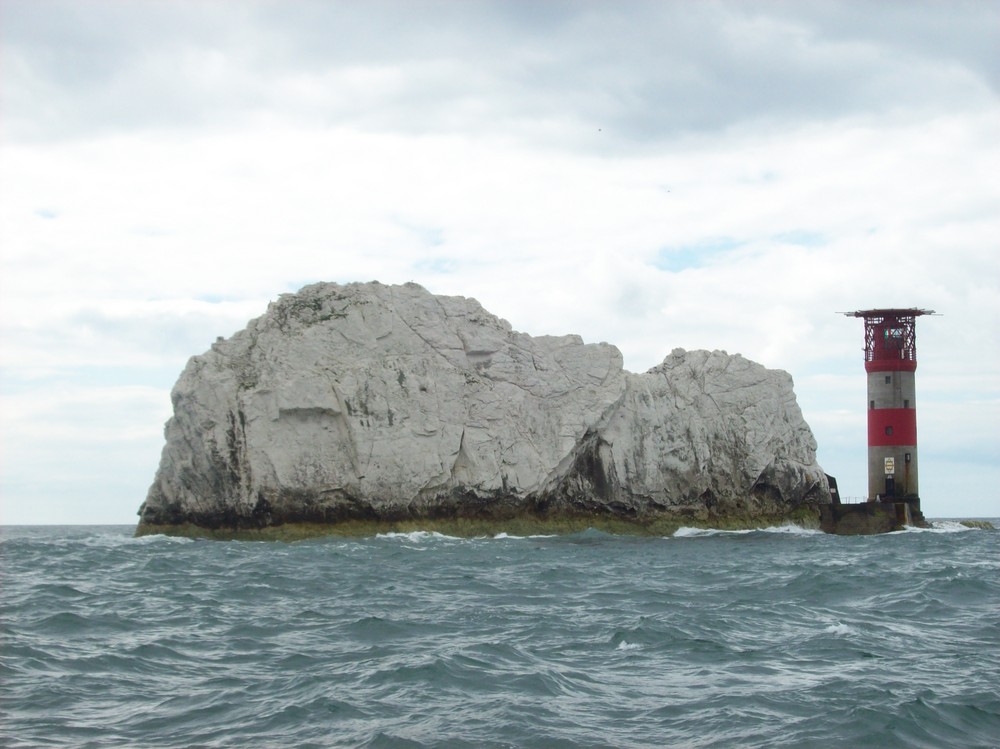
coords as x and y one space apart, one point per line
625 645
792 530
839 628
416 536
789 529
686 532
939 526
156 538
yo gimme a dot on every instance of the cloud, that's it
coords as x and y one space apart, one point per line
652 174
585 75
73 454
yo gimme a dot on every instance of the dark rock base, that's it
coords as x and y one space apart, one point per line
868 518
661 524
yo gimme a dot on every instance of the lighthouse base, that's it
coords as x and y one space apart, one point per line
867 518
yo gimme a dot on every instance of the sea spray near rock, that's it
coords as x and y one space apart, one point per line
371 404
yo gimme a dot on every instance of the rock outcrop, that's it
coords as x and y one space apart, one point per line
387 403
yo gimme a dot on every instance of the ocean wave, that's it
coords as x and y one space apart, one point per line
792 530
591 639
939 526
417 536
157 538
839 628
692 532
788 530
626 645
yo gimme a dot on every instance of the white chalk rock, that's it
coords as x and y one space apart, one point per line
367 401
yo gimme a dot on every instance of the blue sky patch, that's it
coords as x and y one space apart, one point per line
697 255
438 265
801 237
216 298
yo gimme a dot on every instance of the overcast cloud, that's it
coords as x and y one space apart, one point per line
653 174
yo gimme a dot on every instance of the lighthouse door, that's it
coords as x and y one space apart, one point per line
890 486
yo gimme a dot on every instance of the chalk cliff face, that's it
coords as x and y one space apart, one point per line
386 403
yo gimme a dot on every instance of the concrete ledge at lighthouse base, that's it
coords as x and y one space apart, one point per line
868 518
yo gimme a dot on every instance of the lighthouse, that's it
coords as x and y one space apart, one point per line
891 363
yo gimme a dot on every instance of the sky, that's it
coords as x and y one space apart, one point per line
657 175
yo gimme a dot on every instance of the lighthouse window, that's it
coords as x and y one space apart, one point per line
888 379
871 404
906 403
888 431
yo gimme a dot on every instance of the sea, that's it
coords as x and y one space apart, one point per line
781 637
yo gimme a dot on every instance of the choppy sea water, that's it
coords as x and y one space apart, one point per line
776 638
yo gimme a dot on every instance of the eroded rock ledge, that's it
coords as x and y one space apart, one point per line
365 406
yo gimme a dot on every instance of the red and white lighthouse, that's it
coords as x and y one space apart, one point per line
891 361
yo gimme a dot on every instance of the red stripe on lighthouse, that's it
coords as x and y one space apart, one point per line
892 427
891 365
